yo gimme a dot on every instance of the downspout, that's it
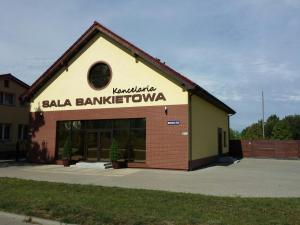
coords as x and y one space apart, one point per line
228 144
190 129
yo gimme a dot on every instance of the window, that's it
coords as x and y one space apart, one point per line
4 132
121 124
138 145
92 137
225 138
99 75
22 132
6 83
7 98
63 133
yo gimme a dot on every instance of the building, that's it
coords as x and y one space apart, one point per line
105 88
14 116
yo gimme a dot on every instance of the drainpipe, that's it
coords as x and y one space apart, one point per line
190 127
228 117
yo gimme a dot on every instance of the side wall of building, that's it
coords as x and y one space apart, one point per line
205 121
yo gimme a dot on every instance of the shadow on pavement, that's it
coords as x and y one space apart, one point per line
223 161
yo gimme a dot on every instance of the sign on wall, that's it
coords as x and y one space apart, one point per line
173 122
119 96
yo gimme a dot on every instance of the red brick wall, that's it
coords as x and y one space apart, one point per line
166 147
266 148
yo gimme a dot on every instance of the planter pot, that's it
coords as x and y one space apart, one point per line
118 164
66 162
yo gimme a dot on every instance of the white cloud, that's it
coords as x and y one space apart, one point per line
234 50
292 96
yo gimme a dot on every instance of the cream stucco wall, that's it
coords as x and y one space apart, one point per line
71 83
206 119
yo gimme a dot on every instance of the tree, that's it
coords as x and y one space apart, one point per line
294 123
287 129
234 134
270 124
282 131
254 131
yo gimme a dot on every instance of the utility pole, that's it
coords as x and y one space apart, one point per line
263 114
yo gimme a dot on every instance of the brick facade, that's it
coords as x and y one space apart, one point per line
166 146
285 149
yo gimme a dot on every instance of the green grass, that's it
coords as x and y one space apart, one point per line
85 204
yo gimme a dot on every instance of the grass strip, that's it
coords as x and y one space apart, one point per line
87 205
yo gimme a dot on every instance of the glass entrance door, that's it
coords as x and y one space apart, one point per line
98 145
92 143
105 138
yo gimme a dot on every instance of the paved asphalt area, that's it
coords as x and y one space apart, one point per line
248 178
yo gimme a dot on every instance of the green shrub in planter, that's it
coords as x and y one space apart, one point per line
114 153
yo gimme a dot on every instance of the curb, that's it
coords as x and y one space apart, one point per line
23 219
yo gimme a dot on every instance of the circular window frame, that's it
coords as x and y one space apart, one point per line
88 74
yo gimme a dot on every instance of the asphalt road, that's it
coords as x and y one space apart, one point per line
248 178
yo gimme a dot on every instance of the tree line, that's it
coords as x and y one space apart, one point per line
287 128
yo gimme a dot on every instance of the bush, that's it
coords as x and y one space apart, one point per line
114 153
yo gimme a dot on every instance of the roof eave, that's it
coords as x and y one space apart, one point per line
199 91
59 63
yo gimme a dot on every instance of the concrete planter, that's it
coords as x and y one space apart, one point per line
119 164
66 162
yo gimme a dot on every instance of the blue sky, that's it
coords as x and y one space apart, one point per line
233 48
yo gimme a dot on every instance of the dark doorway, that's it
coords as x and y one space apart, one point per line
98 145
92 148
105 138
220 146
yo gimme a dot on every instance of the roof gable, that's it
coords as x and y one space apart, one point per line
135 51
11 77
133 81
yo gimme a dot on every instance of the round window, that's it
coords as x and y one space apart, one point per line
99 75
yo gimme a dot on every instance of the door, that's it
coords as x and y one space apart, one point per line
220 146
105 139
98 145
92 143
